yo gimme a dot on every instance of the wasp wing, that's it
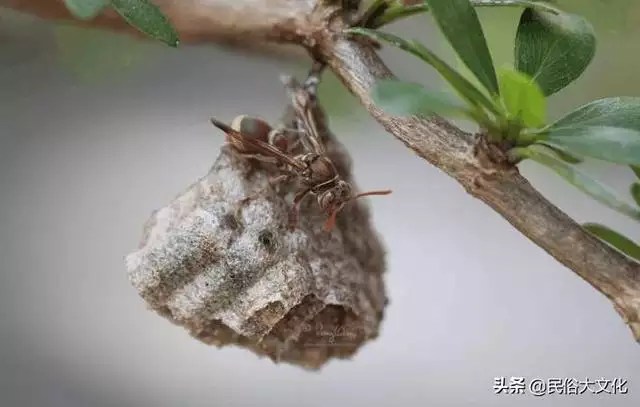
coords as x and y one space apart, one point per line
264 148
303 103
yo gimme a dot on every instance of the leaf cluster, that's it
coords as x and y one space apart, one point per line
552 49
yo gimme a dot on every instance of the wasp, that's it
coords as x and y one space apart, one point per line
312 167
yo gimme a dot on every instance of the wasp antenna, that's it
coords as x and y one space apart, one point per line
382 192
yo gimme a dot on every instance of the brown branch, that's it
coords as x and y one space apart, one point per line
313 24
257 25
501 187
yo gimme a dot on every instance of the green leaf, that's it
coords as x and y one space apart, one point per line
561 154
553 48
636 170
148 18
615 239
457 81
635 192
399 98
398 10
85 9
578 179
534 4
607 129
622 111
522 97
459 23
613 144
374 11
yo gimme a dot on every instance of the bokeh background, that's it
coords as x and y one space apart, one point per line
97 130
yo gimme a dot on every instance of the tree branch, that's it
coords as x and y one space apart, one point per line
315 25
246 24
464 158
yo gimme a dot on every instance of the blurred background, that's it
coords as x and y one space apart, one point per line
97 130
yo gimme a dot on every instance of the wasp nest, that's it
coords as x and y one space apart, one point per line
221 262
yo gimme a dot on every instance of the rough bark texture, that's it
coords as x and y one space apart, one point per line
220 261
314 25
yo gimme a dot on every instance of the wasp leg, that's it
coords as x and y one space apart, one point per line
294 213
313 78
295 145
245 201
279 179
272 183
259 157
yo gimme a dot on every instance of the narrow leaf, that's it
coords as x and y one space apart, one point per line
635 192
615 239
85 9
399 98
522 97
455 79
623 111
554 48
534 4
459 23
613 144
636 170
398 10
580 180
374 12
606 129
561 154
148 18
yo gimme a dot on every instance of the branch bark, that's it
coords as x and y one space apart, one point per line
262 26
316 26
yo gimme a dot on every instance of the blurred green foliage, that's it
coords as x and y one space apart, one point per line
92 55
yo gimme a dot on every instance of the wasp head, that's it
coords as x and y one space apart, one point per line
333 200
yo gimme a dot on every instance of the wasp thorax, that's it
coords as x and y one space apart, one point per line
322 168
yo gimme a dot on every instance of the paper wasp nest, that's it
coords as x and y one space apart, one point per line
232 273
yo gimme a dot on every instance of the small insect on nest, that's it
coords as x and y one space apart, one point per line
246 257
